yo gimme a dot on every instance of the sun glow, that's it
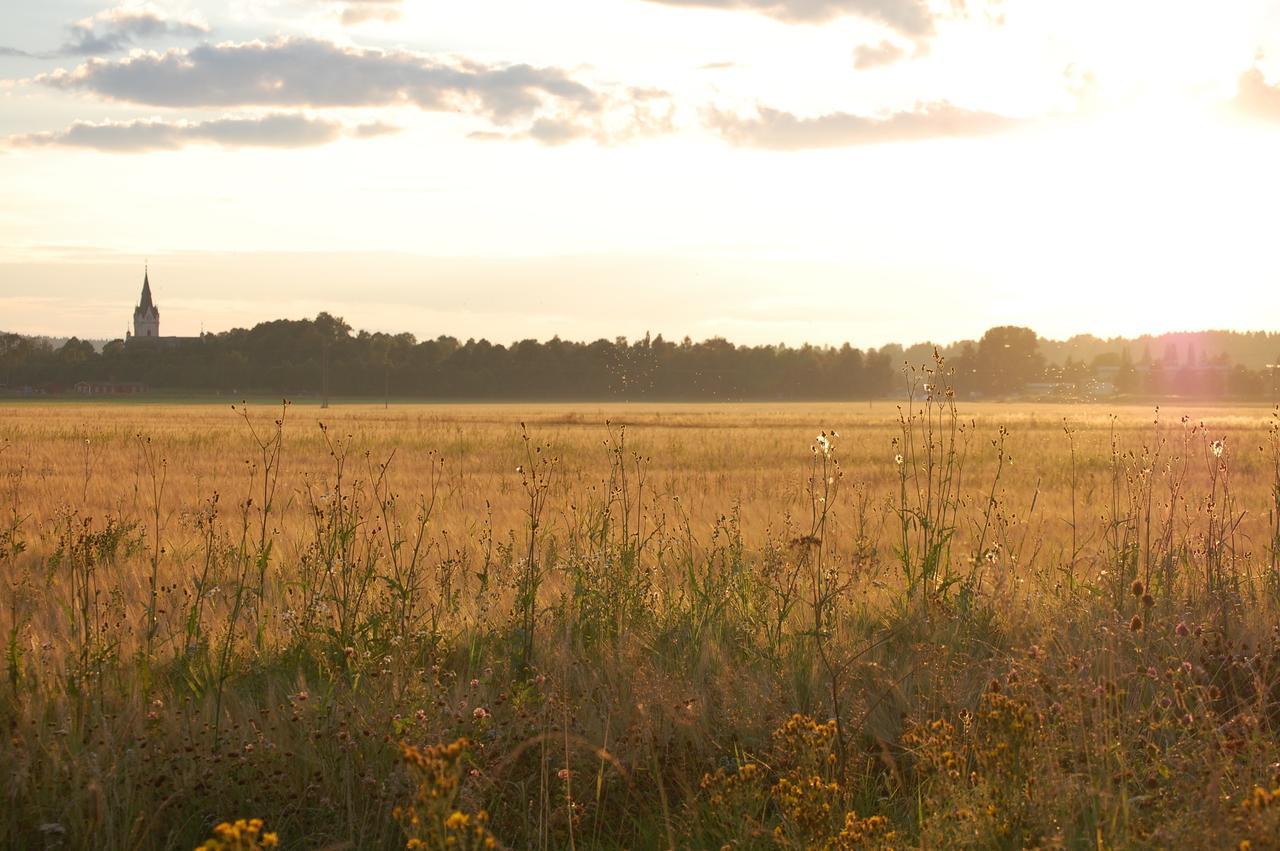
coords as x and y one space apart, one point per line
1120 191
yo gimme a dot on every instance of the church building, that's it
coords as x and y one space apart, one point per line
146 316
146 320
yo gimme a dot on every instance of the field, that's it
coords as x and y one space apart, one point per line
924 624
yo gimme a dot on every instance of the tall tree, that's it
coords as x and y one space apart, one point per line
1008 359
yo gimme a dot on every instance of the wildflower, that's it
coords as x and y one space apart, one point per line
1216 447
480 713
823 443
1137 588
433 817
897 459
564 774
1136 624
243 835
1181 629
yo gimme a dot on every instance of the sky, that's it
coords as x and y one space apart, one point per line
770 171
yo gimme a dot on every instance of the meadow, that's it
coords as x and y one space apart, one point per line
919 624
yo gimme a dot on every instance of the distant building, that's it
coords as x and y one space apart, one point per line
146 319
146 316
110 388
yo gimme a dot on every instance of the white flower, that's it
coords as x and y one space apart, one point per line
1217 446
824 444
897 459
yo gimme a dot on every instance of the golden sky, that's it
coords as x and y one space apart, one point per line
765 170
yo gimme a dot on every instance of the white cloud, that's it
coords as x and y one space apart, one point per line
910 17
268 131
776 129
117 29
525 101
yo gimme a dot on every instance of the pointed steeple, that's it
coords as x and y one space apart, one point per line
146 316
146 303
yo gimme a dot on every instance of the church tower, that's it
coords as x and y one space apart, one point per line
146 317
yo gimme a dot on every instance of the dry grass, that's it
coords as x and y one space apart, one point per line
209 617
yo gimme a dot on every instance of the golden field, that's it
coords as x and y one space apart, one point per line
953 625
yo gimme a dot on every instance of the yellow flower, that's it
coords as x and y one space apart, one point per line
242 835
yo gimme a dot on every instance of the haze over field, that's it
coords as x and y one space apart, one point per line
766 171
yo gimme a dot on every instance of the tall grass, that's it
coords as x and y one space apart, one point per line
931 625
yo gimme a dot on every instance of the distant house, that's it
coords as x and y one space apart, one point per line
110 388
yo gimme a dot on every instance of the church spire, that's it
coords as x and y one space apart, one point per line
146 303
146 316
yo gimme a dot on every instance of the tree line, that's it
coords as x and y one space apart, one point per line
325 356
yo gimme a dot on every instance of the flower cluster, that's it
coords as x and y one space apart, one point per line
724 788
435 817
807 805
243 835
1259 817
824 443
793 798
859 833
804 745
935 748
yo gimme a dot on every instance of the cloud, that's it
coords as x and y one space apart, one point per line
303 72
874 55
117 29
775 129
648 115
375 129
13 51
358 11
909 17
1255 98
268 131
